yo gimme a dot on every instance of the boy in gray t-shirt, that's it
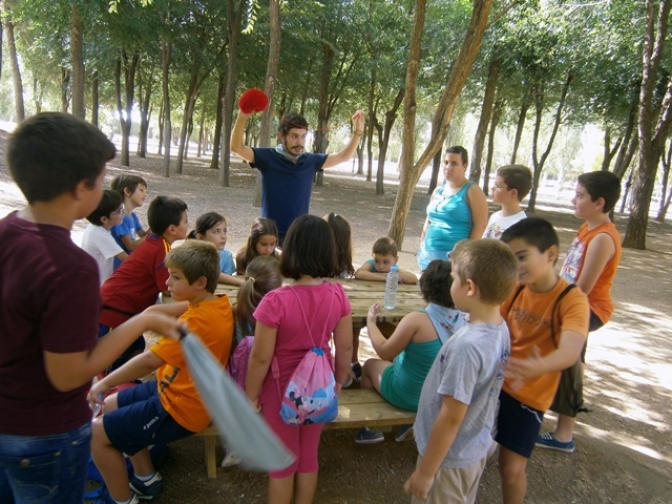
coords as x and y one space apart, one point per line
458 403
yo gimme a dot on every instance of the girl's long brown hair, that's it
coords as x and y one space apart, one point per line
260 227
261 276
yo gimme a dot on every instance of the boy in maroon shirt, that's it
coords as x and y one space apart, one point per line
49 306
136 284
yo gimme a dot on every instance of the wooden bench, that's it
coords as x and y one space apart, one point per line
356 408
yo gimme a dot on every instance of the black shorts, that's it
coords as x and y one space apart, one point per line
517 425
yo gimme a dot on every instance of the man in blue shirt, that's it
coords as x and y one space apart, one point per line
287 170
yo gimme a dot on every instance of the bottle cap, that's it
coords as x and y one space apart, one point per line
394 268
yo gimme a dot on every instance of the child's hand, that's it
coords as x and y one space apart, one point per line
521 370
97 394
372 316
418 485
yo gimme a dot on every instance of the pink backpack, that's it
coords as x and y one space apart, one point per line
239 360
310 396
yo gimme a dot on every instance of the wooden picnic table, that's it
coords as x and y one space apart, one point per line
362 294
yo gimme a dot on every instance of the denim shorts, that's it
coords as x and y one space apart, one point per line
427 256
46 469
141 420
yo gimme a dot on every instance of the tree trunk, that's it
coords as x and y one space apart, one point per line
628 185
201 133
166 53
609 152
410 173
539 162
384 139
524 106
219 116
496 114
189 102
77 57
269 88
321 141
144 94
628 146
664 198
95 98
652 131
129 68
234 22
369 130
65 84
484 121
19 109
436 169
37 94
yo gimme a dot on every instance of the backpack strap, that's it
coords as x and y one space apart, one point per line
515 296
305 319
556 305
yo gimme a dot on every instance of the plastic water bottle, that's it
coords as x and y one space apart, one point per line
391 288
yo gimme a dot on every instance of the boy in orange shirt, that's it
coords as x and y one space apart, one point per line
169 408
548 325
591 263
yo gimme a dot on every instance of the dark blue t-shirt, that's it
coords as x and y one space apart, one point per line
286 186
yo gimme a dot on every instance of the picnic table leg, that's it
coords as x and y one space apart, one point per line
210 455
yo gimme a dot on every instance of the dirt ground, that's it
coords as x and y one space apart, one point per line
624 445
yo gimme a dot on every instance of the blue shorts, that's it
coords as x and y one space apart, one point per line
517 425
427 256
141 420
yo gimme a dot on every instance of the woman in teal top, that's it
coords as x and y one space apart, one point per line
405 358
457 210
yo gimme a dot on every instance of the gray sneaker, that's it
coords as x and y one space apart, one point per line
404 432
147 490
365 436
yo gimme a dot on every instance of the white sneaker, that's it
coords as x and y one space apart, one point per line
230 459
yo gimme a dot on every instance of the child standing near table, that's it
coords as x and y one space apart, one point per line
385 256
548 322
512 184
281 340
458 403
591 263
49 306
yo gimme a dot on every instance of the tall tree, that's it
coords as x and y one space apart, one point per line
77 62
653 130
410 172
8 25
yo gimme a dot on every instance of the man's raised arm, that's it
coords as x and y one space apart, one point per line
350 149
237 133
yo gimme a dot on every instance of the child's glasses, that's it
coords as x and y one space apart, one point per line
118 211
501 188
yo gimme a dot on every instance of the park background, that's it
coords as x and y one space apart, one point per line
561 86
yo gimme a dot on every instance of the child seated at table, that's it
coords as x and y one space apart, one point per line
385 256
405 358
168 408
98 240
137 283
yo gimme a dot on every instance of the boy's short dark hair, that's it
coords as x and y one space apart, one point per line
130 182
517 177
50 153
602 184
164 212
110 202
435 283
534 231
292 120
309 249
490 264
196 259
385 246
458 149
